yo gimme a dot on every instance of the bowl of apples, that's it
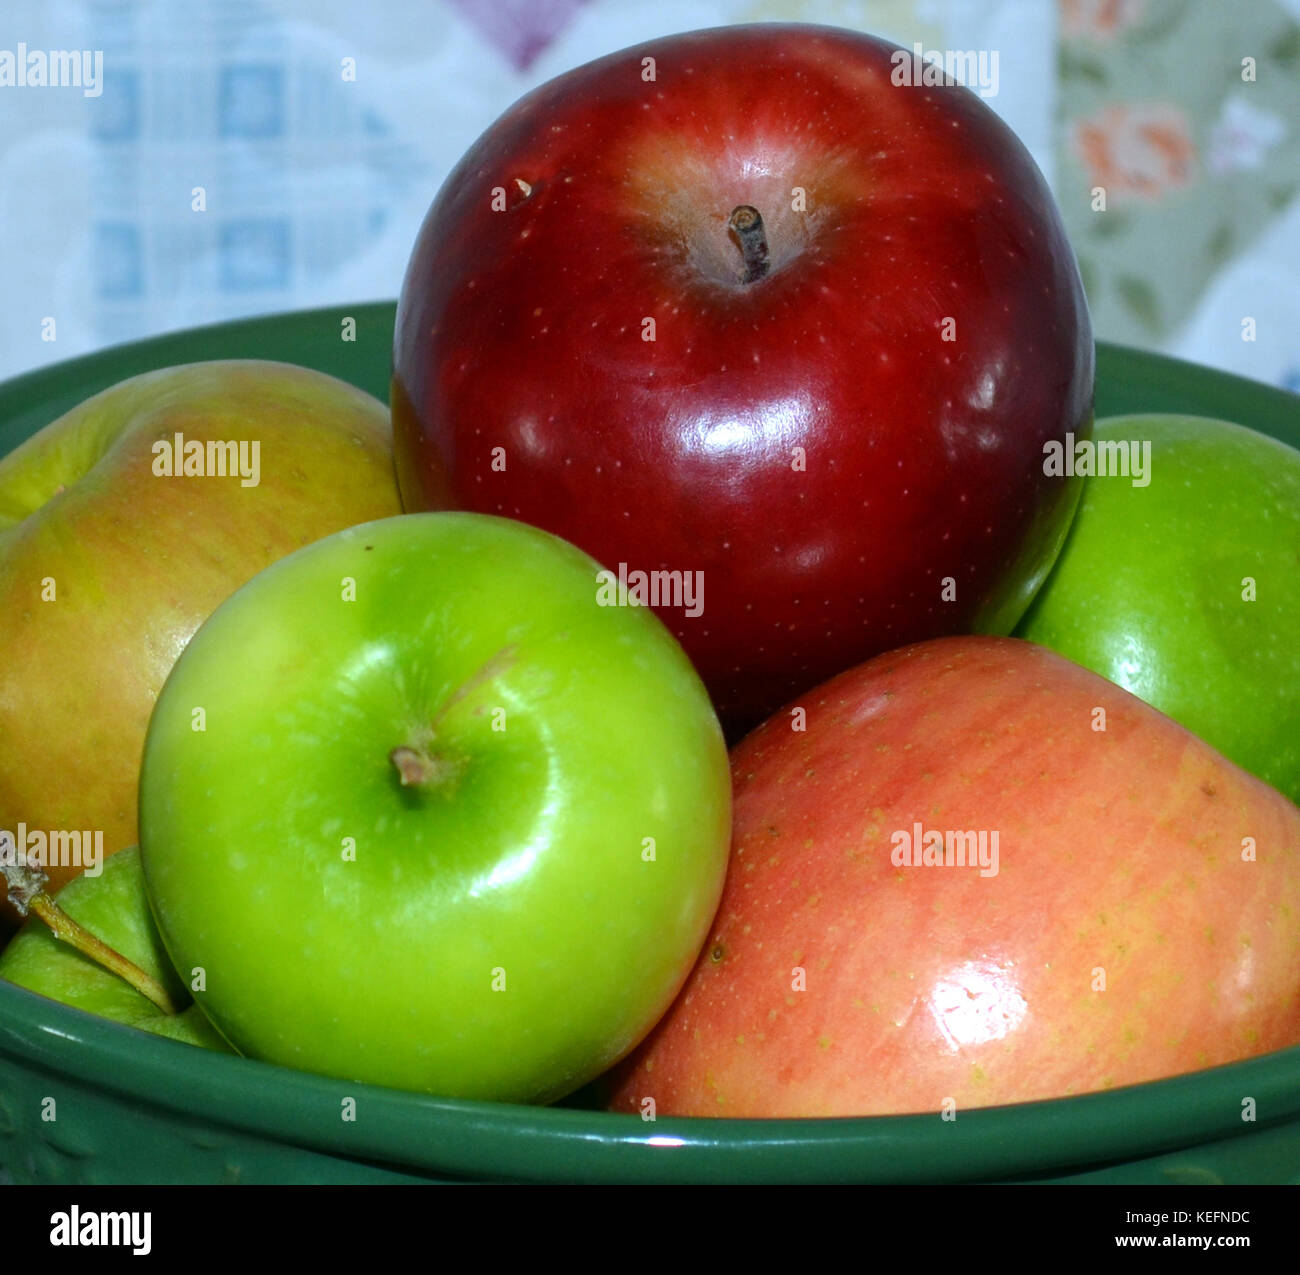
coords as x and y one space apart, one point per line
724 681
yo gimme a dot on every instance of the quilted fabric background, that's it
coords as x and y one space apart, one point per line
245 156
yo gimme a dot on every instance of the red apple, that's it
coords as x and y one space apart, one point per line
1141 916
848 446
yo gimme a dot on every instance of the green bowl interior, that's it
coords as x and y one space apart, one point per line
120 1083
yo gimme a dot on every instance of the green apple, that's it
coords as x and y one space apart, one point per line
428 815
1186 590
108 563
115 908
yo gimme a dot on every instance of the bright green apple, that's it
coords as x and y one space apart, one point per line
115 908
1186 590
428 815
122 525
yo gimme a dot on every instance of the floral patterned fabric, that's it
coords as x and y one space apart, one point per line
1186 116
1167 128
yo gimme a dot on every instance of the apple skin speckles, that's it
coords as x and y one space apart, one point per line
911 264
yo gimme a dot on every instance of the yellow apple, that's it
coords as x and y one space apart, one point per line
123 525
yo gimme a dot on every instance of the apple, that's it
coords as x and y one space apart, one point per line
1184 587
114 907
449 823
1129 906
107 565
735 302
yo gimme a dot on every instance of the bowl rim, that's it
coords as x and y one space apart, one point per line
1175 385
490 1140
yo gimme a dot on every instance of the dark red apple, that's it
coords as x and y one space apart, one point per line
842 428
1122 902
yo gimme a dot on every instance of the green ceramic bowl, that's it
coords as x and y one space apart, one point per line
135 1108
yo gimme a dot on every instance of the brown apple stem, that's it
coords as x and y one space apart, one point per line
417 767
27 894
747 226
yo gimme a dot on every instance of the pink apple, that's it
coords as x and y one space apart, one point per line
1135 912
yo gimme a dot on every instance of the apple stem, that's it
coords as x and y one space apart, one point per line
417 768
747 226
27 893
